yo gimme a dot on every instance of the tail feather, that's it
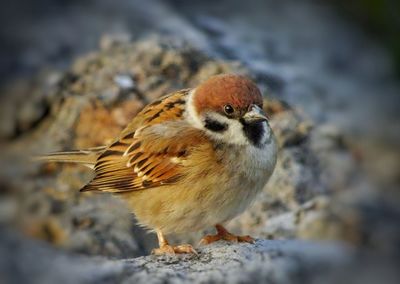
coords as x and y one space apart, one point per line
87 157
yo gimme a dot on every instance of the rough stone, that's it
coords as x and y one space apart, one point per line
263 262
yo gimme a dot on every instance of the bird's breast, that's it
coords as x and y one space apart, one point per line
248 169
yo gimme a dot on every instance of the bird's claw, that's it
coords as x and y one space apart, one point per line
223 234
168 249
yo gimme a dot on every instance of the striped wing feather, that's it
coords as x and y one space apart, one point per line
151 155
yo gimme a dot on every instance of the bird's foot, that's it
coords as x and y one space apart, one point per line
168 249
223 234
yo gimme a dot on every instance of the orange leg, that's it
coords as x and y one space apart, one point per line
223 234
166 248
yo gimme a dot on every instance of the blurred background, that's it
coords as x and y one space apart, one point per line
73 73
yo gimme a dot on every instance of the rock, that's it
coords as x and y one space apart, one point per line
19 115
263 262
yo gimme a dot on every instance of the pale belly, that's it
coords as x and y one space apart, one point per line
203 201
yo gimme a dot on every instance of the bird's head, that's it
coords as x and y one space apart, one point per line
229 108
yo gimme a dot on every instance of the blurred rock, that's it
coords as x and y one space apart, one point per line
19 115
263 262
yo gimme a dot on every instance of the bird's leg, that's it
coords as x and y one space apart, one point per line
223 234
166 248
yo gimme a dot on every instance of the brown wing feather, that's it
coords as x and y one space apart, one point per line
149 156
169 107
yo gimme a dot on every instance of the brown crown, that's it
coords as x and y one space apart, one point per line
238 91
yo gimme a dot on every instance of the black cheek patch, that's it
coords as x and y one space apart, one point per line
215 126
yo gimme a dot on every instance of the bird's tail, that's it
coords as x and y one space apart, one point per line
87 157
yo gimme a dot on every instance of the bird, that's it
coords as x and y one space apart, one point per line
190 160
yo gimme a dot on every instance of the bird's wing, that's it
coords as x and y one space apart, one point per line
150 156
167 108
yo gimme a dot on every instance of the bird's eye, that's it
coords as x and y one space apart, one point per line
228 109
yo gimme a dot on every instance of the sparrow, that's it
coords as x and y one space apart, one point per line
190 160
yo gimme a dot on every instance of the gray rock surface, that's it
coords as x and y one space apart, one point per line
264 262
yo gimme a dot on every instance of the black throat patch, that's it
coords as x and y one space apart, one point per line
253 131
214 125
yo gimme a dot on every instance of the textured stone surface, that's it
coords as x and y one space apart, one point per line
263 262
